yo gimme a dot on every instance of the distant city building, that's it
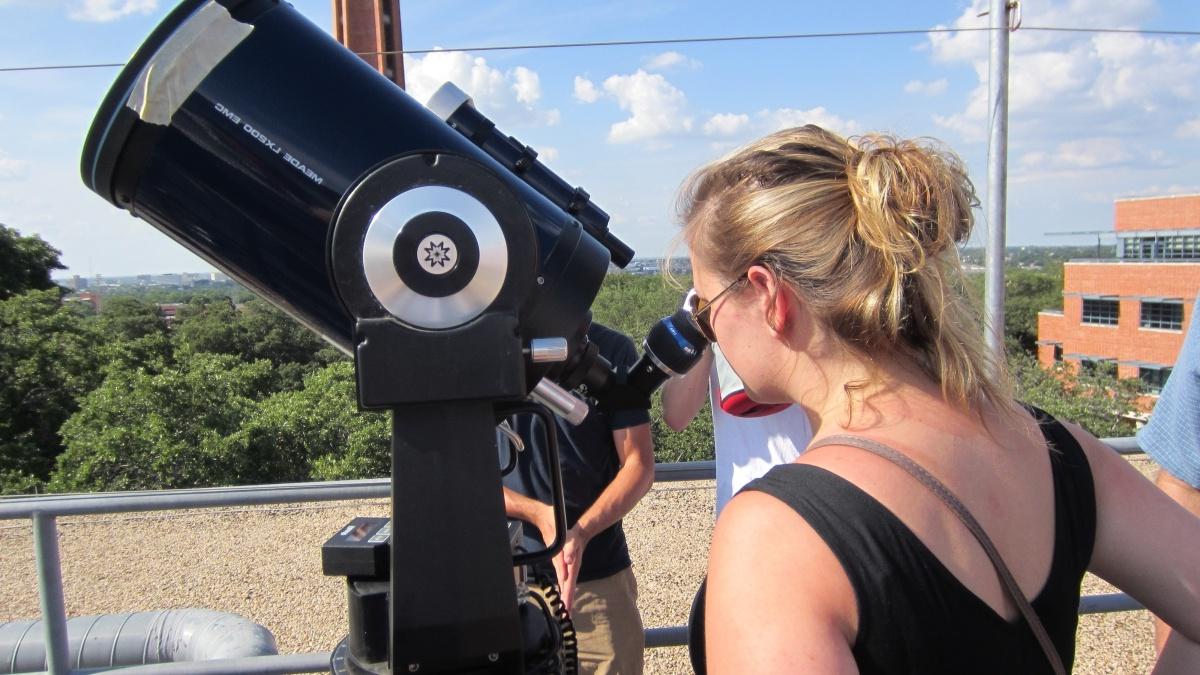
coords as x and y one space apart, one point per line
168 310
85 297
78 283
1127 315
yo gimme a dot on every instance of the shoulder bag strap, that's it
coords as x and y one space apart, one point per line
939 489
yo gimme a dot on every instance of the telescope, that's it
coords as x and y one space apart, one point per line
453 266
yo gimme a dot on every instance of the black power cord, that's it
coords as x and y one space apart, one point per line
555 610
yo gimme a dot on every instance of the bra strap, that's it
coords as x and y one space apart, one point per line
938 488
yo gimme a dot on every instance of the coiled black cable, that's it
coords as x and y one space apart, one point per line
553 605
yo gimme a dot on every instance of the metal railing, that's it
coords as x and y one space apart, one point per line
44 512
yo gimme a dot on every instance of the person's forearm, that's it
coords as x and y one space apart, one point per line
521 507
684 395
632 482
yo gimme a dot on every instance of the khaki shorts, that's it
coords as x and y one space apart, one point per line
608 625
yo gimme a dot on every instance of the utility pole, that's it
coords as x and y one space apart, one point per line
997 177
372 30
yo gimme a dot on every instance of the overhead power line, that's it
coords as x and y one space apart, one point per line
695 40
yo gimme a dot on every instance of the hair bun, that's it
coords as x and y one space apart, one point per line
913 198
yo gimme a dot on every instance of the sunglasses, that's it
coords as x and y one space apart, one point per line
699 308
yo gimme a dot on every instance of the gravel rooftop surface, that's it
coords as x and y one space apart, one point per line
264 564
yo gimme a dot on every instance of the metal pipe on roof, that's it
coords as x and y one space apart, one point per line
115 640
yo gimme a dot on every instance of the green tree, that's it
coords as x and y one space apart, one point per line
316 432
133 335
209 326
294 350
253 330
47 363
142 430
693 444
1026 292
1096 402
25 263
631 303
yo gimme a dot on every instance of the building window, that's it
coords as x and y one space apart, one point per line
1167 315
1154 378
1058 353
1101 311
1106 367
1161 247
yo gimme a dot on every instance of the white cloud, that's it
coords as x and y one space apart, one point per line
1144 72
971 130
669 60
1161 190
659 110
931 88
1189 129
1073 80
1089 158
507 97
585 90
656 107
11 169
962 46
526 85
547 153
725 124
1090 153
102 11
784 118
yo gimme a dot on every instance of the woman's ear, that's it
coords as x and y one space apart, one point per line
773 297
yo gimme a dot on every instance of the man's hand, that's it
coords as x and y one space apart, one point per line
544 521
570 558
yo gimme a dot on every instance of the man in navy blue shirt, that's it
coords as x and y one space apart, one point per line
607 465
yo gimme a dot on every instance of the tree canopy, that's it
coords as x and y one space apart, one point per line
25 263
46 367
233 391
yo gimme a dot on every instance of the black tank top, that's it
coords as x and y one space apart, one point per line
915 616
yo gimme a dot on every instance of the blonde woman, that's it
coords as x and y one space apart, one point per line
828 273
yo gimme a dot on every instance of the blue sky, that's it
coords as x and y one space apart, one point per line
1093 116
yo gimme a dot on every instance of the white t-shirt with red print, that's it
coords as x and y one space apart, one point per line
750 437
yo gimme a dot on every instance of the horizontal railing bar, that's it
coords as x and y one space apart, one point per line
291 493
666 636
680 471
194 498
1108 602
1126 446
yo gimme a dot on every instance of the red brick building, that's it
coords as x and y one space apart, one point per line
371 29
1127 315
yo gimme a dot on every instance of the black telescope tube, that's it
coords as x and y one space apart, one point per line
241 145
